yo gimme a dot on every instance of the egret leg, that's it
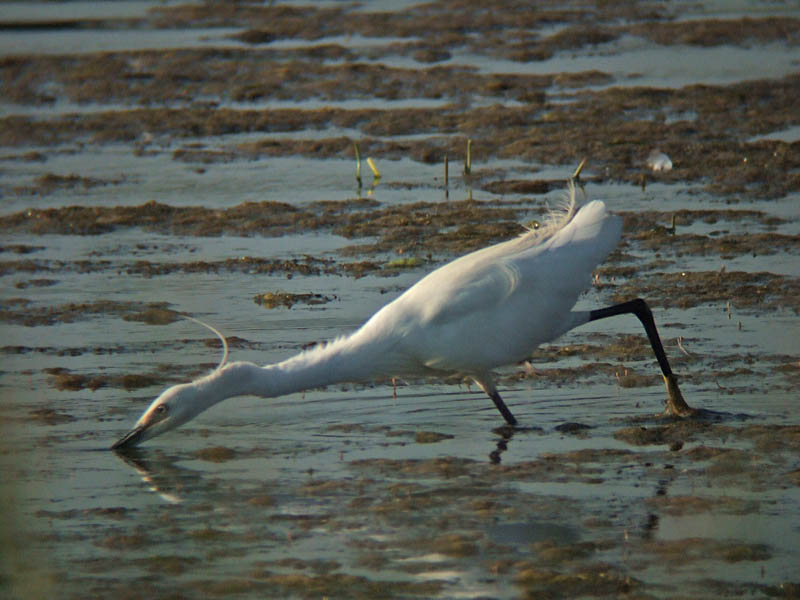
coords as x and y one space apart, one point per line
487 385
675 402
501 406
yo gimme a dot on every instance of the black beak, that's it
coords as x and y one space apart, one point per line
130 439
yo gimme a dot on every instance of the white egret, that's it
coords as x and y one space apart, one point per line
487 309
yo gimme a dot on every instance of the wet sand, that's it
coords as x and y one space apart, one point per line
200 159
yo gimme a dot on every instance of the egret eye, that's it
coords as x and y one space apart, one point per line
161 409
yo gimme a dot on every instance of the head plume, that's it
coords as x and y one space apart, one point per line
215 332
175 405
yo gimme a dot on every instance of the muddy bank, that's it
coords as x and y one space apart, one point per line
744 290
417 237
420 233
615 128
171 96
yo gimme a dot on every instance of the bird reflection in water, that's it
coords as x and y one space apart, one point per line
159 472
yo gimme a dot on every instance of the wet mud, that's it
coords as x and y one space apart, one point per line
277 299
394 489
706 148
520 118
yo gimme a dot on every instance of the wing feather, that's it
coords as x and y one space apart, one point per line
494 306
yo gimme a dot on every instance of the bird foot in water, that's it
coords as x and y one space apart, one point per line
676 405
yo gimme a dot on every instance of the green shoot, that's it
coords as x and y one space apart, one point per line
358 163
374 169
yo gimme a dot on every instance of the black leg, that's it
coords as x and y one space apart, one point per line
501 406
675 402
639 308
487 385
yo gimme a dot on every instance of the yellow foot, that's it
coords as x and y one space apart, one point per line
676 405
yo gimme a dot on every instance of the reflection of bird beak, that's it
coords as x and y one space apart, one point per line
131 439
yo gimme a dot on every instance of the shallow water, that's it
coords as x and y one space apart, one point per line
350 491
634 62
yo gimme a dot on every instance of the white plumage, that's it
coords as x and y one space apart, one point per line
490 308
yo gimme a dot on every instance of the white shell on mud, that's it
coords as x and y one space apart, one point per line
658 161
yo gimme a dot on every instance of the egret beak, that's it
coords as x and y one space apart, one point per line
131 439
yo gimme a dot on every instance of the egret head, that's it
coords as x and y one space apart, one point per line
178 404
174 407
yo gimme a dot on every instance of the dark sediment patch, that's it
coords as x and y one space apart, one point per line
679 431
216 454
339 585
20 312
123 542
755 291
171 565
35 283
573 428
431 437
117 513
550 552
564 134
20 248
248 264
52 182
409 231
612 126
287 300
693 505
651 220
457 545
66 380
596 580
624 376
690 550
62 379
522 186
724 246
199 154
50 416
442 467
773 438
717 32
357 427
262 217
154 316
597 124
